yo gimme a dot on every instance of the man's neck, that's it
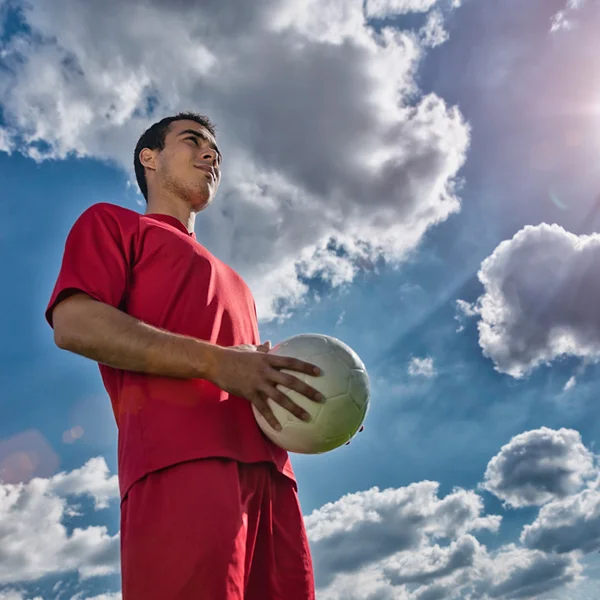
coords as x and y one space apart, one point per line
177 210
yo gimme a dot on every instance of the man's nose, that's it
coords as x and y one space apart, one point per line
209 154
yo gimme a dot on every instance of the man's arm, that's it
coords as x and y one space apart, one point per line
109 336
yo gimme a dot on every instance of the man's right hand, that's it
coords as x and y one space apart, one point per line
250 372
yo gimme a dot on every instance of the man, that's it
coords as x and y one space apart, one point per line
209 506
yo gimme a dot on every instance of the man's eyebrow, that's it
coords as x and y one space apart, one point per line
202 137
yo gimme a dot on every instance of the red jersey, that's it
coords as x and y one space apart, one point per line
152 268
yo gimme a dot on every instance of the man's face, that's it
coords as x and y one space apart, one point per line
189 164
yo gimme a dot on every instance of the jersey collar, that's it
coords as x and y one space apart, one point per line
174 221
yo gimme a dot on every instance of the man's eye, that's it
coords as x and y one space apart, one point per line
195 140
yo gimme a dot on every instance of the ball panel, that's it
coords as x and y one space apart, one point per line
297 440
345 353
301 346
359 388
333 380
339 415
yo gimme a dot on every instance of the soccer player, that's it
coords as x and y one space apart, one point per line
209 506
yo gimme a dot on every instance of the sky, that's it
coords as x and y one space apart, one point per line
417 178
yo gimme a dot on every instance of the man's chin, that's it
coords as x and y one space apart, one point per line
201 204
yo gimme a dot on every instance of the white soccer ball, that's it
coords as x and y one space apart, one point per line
344 383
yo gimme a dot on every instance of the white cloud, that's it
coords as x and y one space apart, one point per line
387 8
6 142
431 571
566 18
433 33
433 562
539 301
516 572
578 373
92 479
367 527
393 545
567 525
422 367
9 594
464 310
538 466
33 539
324 133
115 596
405 543
560 21
15 595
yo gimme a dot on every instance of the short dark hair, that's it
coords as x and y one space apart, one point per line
154 137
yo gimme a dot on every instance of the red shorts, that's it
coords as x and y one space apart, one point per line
214 529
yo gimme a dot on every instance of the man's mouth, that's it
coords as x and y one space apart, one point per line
208 170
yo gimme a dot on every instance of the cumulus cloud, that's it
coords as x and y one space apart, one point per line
433 562
567 525
461 568
407 543
33 539
10 594
429 572
332 158
433 33
386 8
538 466
520 573
423 367
92 479
115 596
362 528
539 299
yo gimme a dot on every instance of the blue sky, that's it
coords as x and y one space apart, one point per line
415 177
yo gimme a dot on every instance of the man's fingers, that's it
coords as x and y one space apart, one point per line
284 401
294 364
293 383
260 401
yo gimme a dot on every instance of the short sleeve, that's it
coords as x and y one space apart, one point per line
96 258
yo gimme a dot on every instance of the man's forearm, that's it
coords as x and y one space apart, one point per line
111 337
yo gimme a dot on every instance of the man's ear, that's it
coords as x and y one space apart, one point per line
148 158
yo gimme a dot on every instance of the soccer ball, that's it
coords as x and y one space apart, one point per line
344 383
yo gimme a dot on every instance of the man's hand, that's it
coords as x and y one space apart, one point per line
250 372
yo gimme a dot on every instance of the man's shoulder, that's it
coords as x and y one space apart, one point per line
107 211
